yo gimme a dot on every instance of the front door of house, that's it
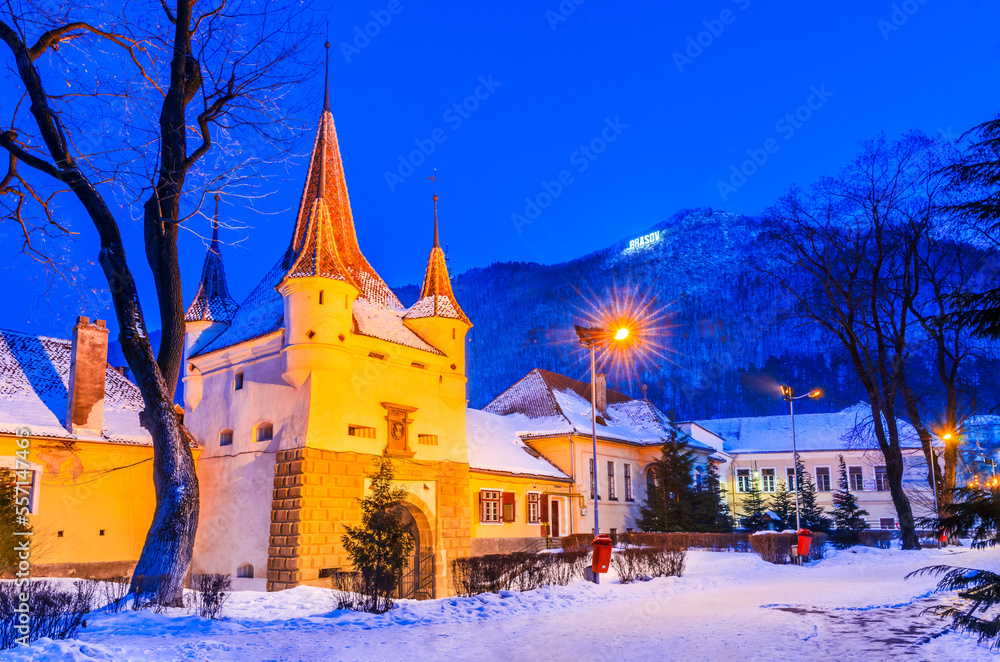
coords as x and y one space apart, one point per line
555 518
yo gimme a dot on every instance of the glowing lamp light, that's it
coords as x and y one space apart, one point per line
947 436
816 393
622 334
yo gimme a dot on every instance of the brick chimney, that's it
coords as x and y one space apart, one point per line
87 373
601 394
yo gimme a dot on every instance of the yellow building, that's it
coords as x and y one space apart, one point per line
89 462
297 390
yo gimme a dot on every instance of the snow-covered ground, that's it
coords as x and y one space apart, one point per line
853 605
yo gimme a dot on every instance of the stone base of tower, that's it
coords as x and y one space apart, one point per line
316 493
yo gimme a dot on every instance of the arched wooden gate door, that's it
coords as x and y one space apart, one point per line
417 582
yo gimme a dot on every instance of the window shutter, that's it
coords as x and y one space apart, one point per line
482 508
509 506
543 509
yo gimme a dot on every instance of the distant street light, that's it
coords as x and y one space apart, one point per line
591 338
788 393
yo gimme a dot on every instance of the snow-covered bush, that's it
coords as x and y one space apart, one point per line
775 547
211 594
879 539
519 571
642 563
56 611
114 590
716 542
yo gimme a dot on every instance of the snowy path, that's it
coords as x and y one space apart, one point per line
726 607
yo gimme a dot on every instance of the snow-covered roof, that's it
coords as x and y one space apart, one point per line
850 428
555 404
34 382
212 302
495 445
263 313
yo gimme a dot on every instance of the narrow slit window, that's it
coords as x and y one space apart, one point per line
238 382
361 431
265 432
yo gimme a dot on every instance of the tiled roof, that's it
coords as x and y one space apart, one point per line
332 234
34 382
436 296
212 302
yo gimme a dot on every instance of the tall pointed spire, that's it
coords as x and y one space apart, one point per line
212 302
328 236
436 296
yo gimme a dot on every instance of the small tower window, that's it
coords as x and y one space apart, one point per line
244 571
321 297
265 432
238 383
226 438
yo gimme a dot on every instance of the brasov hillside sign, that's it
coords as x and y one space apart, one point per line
644 240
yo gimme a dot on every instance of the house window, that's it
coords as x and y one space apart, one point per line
650 482
534 508
612 487
887 523
489 505
226 438
742 480
790 478
265 432
593 479
856 479
697 478
238 382
360 431
427 439
244 571
767 480
881 479
628 483
822 479
509 511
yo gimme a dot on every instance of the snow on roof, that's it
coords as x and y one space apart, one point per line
556 404
34 382
386 324
495 445
850 428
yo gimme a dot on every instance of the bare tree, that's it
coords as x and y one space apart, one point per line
146 106
846 253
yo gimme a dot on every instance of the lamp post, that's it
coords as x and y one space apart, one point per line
591 338
788 393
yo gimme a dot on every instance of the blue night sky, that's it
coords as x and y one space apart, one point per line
557 87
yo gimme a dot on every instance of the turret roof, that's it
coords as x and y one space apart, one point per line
212 302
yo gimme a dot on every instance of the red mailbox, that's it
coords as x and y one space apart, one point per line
602 553
805 541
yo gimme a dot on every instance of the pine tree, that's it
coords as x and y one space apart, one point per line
753 509
380 547
670 505
811 514
711 514
783 505
848 517
13 503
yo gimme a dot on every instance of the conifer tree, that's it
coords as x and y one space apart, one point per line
848 517
380 547
12 504
811 514
783 505
670 504
711 513
753 509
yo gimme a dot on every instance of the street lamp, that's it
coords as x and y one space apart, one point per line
788 393
591 338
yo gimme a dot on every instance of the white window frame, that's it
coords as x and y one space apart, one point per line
850 485
885 481
790 475
535 518
629 496
829 475
14 463
499 508
742 488
774 480
612 481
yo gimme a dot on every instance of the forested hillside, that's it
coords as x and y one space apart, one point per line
726 340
